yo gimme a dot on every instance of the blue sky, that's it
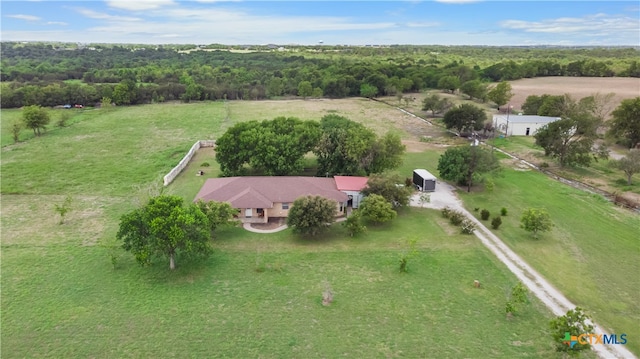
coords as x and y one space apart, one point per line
442 22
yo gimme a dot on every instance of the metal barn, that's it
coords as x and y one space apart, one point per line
424 180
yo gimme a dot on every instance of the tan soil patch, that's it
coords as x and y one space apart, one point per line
32 220
577 87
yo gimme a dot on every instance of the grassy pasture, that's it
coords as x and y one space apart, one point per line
591 254
107 161
62 298
259 296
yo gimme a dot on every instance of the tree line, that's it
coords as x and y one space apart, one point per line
46 75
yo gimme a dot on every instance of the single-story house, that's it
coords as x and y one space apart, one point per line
520 125
264 197
352 187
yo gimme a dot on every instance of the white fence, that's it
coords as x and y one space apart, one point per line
185 160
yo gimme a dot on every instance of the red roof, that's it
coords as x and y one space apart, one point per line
263 192
350 183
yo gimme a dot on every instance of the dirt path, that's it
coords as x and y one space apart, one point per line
444 196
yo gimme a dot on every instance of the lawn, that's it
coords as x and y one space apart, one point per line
591 254
260 296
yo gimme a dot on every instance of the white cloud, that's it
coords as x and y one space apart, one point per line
24 17
592 25
102 16
136 5
57 23
423 24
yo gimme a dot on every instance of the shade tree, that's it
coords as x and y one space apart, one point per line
535 220
346 147
465 117
466 164
390 187
165 227
311 215
35 118
626 122
500 94
275 147
629 164
376 209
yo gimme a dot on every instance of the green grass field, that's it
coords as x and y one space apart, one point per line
259 295
591 254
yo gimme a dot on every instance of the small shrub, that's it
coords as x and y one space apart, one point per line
205 164
456 218
503 211
544 165
354 225
485 214
489 186
476 209
16 127
509 309
406 255
496 222
446 212
63 209
64 118
468 227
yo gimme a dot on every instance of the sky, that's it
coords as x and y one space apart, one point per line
434 22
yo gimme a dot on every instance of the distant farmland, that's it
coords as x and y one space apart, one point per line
577 87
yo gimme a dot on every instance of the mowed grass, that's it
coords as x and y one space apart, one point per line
260 296
591 254
62 298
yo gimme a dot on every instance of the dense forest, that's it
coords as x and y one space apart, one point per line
49 74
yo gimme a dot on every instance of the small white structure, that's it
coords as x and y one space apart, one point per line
520 125
424 180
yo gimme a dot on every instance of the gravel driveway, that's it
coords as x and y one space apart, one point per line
445 196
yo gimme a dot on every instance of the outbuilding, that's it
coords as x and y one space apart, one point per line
521 125
424 180
352 186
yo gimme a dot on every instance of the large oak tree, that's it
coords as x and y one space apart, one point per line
165 227
465 117
464 164
626 121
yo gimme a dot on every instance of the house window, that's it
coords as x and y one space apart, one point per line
285 206
248 212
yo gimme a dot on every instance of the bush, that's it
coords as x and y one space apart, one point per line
205 164
496 222
503 211
446 212
544 165
64 118
485 214
575 323
456 218
468 227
